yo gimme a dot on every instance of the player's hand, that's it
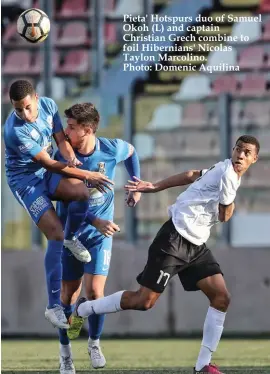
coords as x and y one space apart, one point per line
105 227
133 198
139 186
74 162
99 181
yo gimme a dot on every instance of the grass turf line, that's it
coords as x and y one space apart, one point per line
137 356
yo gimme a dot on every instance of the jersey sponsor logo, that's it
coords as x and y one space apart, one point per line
34 135
25 147
96 198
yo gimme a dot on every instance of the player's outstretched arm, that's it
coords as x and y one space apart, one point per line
65 149
100 181
174 181
132 164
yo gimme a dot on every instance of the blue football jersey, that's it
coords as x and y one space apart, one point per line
24 141
107 153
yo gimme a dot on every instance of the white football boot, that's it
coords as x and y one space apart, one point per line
78 249
57 317
66 365
96 356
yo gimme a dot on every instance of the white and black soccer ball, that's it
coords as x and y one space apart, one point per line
33 25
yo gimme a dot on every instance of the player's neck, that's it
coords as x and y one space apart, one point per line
88 146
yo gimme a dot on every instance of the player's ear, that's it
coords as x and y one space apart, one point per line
255 159
36 96
88 130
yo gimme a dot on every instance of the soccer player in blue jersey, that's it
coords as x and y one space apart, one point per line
102 155
35 179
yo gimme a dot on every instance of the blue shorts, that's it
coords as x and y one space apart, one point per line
36 199
100 251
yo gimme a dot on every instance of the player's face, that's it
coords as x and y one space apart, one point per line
76 133
244 154
27 108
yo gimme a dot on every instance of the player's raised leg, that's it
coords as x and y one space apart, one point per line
142 299
215 289
94 287
74 190
153 279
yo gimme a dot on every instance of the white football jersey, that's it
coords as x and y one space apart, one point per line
196 209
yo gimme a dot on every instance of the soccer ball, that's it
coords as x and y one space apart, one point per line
33 25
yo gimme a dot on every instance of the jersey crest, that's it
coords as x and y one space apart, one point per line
101 167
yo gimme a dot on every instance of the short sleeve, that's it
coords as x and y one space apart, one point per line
122 149
203 171
23 144
227 189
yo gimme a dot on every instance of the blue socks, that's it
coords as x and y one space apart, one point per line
63 338
96 323
76 214
53 269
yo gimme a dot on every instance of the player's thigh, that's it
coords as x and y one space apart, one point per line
70 291
94 285
71 189
38 205
203 266
51 225
100 249
214 287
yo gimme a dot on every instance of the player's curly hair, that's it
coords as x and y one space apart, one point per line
249 139
85 114
20 89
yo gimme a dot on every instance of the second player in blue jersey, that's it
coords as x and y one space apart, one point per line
101 155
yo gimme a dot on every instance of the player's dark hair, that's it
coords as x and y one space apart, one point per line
249 139
85 114
20 89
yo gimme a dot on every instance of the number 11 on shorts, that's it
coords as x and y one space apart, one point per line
163 275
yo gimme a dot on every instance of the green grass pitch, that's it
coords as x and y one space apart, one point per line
137 356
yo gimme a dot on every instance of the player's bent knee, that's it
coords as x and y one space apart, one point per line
84 196
81 192
54 233
221 301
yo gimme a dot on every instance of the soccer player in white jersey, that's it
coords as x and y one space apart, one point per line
179 247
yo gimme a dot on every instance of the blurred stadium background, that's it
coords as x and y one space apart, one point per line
177 121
